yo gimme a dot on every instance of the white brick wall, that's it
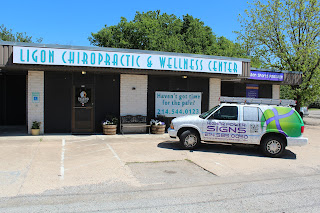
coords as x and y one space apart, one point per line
276 91
214 92
35 110
133 102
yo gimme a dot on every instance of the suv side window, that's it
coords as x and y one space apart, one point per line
226 113
252 113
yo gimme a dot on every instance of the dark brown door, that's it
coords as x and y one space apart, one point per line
83 109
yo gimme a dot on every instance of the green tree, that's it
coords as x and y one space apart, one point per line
286 92
8 35
284 34
163 32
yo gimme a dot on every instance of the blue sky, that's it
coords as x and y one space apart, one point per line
71 22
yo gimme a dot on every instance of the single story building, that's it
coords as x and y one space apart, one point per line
71 89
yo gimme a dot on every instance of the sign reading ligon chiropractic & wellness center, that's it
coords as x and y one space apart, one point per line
175 104
89 58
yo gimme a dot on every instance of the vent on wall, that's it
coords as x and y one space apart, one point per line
6 54
246 67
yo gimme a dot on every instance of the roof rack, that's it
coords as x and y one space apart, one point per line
267 101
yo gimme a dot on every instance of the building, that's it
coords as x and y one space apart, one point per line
70 89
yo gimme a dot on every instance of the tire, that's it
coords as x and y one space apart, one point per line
189 139
272 146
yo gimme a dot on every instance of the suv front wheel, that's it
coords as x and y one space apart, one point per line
189 139
272 146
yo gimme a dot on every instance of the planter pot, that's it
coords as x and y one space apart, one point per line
35 131
158 129
109 129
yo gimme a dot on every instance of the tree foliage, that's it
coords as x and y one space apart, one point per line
286 92
284 34
8 35
164 32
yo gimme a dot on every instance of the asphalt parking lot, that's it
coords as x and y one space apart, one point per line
37 164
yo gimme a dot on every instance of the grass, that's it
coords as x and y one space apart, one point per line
313 109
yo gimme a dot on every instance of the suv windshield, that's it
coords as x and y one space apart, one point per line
206 114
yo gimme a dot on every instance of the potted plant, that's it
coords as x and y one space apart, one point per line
157 126
35 129
109 125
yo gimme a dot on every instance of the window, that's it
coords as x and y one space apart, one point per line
226 113
206 114
252 114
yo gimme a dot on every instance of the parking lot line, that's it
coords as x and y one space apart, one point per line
115 154
133 180
62 159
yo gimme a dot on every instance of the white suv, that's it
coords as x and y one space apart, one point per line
271 127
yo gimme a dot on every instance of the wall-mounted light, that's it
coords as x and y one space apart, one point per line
184 76
83 72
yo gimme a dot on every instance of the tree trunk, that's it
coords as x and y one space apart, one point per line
298 105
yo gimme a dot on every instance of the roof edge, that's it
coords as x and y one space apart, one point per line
94 48
273 70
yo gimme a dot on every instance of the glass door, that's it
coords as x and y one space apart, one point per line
83 109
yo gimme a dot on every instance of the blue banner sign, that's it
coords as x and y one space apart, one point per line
266 76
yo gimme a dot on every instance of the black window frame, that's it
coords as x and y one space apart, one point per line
215 116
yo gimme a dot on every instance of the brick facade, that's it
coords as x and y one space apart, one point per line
133 94
214 92
276 91
35 84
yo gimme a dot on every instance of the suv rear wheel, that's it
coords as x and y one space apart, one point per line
189 139
272 146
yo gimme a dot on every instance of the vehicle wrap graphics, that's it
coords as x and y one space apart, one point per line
225 130
282 120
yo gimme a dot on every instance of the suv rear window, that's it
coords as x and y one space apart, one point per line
252 113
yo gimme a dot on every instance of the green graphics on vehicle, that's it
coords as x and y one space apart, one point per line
283 120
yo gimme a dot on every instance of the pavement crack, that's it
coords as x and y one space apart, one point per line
24 174
190 161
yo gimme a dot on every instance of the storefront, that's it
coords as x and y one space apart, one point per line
71 89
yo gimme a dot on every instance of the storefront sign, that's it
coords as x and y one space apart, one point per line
70 57
175 104
252 90
266 76
36 97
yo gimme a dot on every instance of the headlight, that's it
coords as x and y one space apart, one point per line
171 126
